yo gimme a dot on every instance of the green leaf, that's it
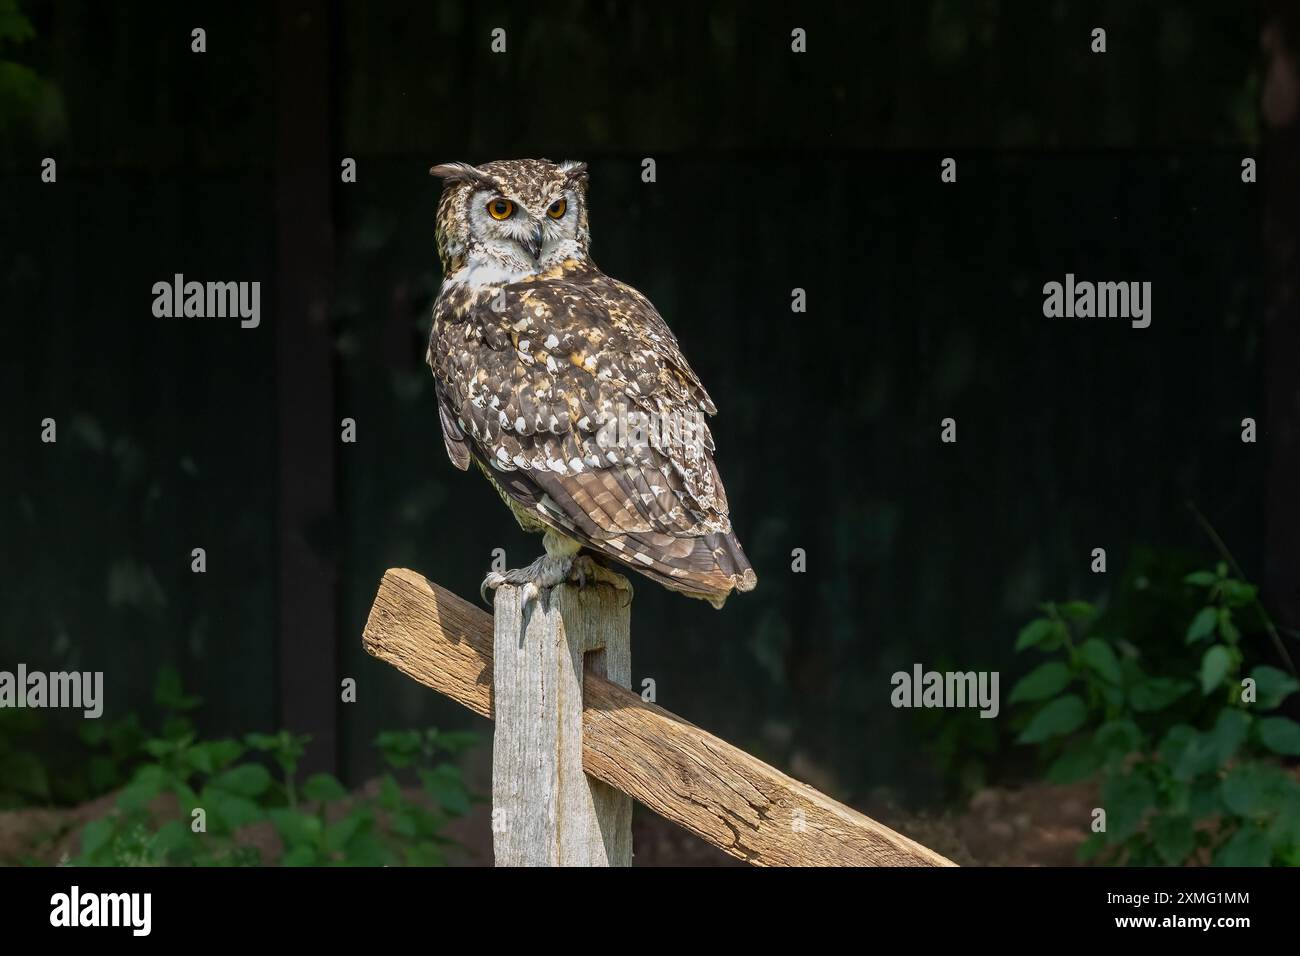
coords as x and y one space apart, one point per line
1238 593
1284 833
340 833
1249 846
1202 579
1230 730
228 810
1045 680
214 755
1204 800
1077 610
1126 799
1227 628
246 780
400 748
390 794
301 855
1214 667
295 828
1090 847
444 784
168 694
458 741
1061 716
1157 693
1280 735
1117 738
148 782
287 748
1078 762
1272 686
1202 625
1187 752
172 837
365 849
159 748
1253 790
323 788
1040 632
1100 658
96 836
1174 838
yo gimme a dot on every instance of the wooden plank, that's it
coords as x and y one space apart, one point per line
545 810
723 795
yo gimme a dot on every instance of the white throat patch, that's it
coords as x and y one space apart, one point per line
482 272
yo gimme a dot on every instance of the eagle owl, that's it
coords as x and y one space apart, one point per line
567 390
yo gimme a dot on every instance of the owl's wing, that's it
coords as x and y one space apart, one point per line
575 394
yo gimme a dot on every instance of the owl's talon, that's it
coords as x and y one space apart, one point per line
492 581
547 571
561 563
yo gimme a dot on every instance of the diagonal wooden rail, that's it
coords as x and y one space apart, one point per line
685 774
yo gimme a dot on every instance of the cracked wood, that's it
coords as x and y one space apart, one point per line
718 792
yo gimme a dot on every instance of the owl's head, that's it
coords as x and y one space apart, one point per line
519 216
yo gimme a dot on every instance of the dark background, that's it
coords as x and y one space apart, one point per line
775 171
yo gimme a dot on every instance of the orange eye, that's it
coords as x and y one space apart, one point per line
557 209
501 208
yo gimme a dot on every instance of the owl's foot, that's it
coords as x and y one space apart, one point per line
552 569
546 572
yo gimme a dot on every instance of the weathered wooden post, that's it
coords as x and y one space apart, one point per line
545 810
673 768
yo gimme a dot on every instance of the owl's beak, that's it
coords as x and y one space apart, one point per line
534 242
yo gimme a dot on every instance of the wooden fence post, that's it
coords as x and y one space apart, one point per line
545 810
715 790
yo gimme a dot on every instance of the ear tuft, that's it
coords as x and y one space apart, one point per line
459 172
575 173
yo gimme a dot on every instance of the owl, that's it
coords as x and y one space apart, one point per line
567 390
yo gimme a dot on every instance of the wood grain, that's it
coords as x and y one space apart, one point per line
545 810
685 774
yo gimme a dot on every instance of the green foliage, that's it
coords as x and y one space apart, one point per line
1187 759
23 778
218 802
98 760
24 96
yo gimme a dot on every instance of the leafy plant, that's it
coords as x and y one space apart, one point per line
217 802
40 766
1188 760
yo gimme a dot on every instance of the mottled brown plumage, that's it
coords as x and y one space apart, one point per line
567 388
